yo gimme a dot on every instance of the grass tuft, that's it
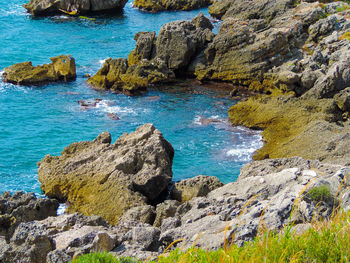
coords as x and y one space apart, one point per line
320 193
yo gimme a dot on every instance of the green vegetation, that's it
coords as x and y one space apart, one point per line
101 258
320 193
326 241
346 36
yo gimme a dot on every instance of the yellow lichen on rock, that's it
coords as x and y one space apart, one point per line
286 122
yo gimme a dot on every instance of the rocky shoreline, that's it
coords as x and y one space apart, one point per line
294 56
267 195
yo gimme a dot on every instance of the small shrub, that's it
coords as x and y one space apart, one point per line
320 193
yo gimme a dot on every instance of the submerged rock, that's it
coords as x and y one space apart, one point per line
162 5
107 179
73 7
61 68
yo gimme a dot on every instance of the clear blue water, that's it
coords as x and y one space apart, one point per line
35 121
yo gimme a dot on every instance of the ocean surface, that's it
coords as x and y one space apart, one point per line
35 121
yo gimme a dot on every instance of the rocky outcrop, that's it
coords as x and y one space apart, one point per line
107 179
293 126
260 9
197 186
156 59
162 5
61 68
267 194
23 207
53 7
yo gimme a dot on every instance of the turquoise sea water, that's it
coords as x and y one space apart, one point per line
35 121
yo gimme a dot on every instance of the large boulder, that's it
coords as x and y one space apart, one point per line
161 5
156 59
62 68
52 7
107 179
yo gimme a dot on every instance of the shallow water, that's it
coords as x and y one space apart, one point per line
35 121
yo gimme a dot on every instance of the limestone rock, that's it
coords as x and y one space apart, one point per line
144 214
29 243
165 210
263 196
343 100
53 7
23 207
161 5
265 9
108 179
156 59
293 126
336 79
62 68
200 185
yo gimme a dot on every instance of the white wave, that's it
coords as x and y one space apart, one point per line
61 209
197 120
108 106
101 61
245 150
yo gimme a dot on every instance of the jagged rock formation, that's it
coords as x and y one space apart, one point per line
62 68
107 179
156 59
23 207
162 5
52 7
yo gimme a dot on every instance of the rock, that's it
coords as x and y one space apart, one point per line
113 116
162 5
165 210
23 207
265 9
108 179
292 127
200 185
57 256
266 194
266 45
342 99
156 59
116 75
62 68
336 79
103 242
143 214
29 243
179 41
146 237
54 7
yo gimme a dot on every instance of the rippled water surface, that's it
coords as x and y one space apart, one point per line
35 121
